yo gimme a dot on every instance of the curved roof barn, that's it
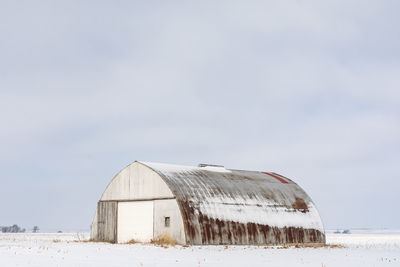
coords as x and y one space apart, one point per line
207 204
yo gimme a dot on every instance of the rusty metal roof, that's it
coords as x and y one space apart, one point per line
241 207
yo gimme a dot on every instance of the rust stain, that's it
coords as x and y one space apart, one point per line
280 179
300 205
202 230
195 189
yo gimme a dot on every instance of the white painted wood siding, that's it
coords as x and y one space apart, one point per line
135 221
136 181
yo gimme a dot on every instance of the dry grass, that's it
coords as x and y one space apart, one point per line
56 240
88 241
311 245
164 241
335 246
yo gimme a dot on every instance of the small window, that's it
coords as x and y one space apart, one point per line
167 221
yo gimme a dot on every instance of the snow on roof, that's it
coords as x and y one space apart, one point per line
173 168
239 196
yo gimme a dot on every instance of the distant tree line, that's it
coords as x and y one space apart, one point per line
12 229
16 229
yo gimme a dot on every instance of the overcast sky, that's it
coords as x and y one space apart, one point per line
307 89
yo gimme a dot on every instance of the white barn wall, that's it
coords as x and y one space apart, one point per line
135 221
168 208
136 181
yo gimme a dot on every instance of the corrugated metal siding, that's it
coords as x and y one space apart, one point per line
107 221
241 207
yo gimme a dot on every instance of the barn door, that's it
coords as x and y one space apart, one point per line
106 221
135 221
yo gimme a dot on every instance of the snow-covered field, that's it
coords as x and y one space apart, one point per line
363 248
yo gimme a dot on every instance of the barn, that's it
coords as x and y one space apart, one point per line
202 205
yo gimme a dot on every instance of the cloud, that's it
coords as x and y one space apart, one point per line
308 89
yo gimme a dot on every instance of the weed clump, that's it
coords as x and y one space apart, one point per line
164 241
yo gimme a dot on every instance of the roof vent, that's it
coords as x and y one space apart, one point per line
202 165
